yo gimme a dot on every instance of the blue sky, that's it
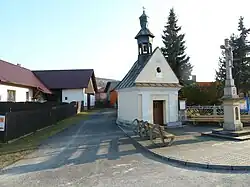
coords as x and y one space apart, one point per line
99 34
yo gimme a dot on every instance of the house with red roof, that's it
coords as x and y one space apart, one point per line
18 84
70 85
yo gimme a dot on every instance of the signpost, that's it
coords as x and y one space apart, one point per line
245 105
2 123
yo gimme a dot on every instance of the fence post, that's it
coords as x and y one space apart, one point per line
5 137
214 110
183 115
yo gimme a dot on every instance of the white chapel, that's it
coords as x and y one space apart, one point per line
149 91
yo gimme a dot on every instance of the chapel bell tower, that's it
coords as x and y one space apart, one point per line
144 37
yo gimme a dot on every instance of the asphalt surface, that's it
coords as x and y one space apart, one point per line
97 153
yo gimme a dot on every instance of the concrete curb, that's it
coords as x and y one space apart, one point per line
188 163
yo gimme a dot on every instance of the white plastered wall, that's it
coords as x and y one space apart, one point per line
127 104
129 100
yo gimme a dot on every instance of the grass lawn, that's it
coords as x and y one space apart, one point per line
12 152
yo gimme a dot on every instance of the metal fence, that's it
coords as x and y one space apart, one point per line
192 111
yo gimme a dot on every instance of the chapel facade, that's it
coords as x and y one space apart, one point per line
149 91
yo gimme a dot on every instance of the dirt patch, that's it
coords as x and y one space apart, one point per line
10 158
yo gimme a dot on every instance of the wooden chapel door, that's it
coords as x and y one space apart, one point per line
158 112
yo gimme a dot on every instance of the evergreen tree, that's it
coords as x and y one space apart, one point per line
174 49
241 68
221 73
241 65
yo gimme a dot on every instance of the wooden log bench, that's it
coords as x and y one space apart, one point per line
139 127
136 125
158 131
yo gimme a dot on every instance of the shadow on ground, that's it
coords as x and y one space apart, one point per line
88 154
187 135
99 139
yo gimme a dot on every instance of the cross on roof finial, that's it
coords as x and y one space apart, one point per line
143 9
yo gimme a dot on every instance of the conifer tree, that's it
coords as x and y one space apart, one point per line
241 68
174 48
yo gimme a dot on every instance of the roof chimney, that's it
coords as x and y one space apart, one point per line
194 78
18 64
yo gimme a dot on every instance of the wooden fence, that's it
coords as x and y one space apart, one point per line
20 123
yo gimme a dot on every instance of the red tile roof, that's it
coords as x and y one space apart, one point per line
15 74
101 90
204 84
67 79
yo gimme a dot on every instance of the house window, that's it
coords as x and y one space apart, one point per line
27 96
11 95
66 98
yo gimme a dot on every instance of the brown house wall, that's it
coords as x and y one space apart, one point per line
113 97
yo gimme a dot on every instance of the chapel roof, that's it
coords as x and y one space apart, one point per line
130 77
144 32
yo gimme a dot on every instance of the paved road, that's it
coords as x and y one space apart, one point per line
96 153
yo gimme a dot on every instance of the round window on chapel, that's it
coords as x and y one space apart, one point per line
158 70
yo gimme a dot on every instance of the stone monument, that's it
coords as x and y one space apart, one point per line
232 126
231 101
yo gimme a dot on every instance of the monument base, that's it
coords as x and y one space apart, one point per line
232 120
234 126
240 135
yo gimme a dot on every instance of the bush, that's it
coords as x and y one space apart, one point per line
201 95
